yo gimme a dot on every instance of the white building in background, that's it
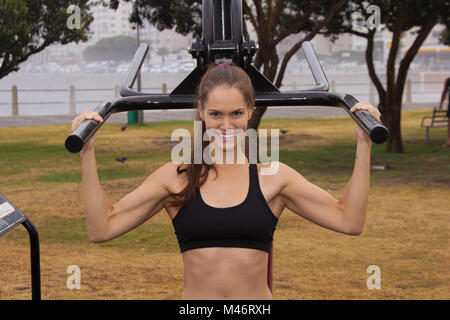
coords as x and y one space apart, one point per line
109 23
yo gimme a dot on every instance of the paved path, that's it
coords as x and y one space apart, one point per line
187 114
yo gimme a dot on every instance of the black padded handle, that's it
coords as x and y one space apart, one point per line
76 140
377 132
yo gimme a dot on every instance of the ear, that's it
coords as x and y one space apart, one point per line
200 111
250 112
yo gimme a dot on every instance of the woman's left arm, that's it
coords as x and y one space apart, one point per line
346 215
356 194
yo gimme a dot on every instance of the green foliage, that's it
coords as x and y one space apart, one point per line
445 37
184 16
29 26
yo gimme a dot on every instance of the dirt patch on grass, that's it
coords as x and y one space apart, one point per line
412 180
406 230
405 235
105 273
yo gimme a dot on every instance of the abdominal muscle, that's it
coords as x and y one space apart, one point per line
225 273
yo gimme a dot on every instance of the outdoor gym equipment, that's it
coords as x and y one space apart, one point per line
11 217
223 41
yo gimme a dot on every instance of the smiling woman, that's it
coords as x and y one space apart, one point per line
225 218
225 101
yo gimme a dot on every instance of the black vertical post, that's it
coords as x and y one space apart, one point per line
222 20
35 260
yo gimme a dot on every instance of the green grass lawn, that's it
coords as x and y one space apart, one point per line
43 179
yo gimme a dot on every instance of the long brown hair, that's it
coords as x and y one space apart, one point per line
230 75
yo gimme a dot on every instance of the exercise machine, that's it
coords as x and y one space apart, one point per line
222 40
11 217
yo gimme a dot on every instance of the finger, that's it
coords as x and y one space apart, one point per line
77 121
98 117
363 106
358 106
94 116
75 124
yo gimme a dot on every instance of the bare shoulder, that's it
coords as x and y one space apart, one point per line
171 175
276 167
277 171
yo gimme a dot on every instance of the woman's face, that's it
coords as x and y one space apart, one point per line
227 113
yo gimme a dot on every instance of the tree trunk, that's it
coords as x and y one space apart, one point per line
257 115
392 104
268 56
393 119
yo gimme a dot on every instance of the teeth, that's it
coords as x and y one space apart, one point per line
227 135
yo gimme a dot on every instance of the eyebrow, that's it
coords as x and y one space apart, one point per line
214 110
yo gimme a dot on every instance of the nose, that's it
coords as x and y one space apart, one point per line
227 123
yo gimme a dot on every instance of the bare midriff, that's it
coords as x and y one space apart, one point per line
220 273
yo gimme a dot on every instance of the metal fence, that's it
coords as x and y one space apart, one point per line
69 99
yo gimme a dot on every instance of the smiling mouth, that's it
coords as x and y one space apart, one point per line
229 136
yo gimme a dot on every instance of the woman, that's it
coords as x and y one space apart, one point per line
225 218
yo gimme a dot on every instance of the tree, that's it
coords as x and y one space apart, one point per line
116 48
445 37
416 16
29 26
162 52
273 20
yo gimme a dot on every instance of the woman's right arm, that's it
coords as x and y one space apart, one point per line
105 221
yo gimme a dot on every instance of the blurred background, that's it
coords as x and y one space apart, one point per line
95 68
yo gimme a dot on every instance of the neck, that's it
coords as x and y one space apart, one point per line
238 159
231 165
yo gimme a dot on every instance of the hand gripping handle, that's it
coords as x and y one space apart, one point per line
76 140
377 132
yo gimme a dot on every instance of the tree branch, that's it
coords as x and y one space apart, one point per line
269 9
395 44
248 10
13 64
299 23
277 13
311 35
411 53
259 12
371 68
359 33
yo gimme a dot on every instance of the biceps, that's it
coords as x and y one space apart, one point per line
314 204
135 208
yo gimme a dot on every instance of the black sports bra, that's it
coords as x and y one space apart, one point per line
250 224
